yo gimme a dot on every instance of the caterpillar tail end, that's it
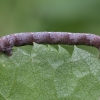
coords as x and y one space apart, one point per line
8 51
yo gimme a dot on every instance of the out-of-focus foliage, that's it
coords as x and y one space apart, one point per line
49 15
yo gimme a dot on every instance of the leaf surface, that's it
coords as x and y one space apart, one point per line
50 74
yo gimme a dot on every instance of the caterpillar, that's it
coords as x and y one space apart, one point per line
27 38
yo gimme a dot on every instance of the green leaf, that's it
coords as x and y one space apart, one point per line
49 74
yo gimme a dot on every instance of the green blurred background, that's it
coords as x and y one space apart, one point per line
50 15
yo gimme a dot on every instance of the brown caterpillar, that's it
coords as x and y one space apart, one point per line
21 39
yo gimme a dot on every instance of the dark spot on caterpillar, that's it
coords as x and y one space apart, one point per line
21 39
